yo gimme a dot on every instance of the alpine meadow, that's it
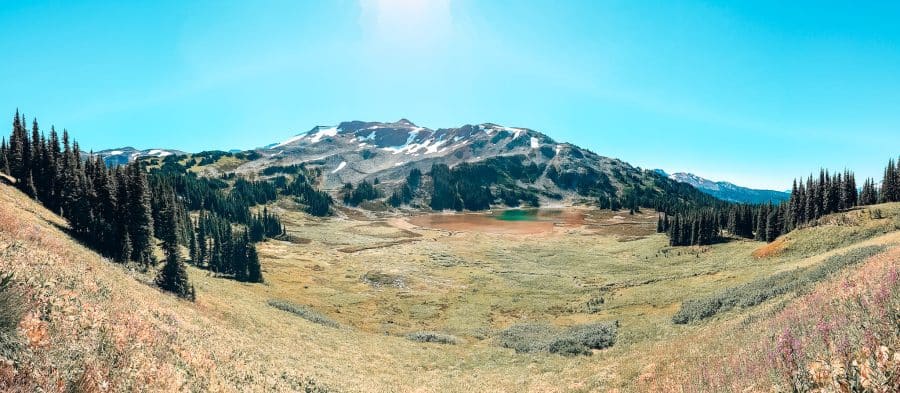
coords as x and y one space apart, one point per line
167 244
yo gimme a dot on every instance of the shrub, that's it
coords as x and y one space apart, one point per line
594 305
568 347
304 312
11 309
433 337
594 335
575 340
760 290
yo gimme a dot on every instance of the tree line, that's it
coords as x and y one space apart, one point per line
120 211
811 199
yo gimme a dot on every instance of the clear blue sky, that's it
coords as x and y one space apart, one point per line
755 93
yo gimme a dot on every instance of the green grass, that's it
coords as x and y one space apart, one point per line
843 229
758 291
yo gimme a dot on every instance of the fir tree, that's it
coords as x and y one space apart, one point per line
173 276
139 217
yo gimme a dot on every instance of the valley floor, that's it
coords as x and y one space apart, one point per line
370 282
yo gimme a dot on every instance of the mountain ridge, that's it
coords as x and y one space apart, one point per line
508 164
727 191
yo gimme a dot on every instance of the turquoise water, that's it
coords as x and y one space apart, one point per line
518 215
529 215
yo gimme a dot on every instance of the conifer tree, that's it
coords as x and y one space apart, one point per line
4 161
140 218
173 276
254 270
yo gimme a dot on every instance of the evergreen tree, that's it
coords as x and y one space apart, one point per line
173 276
890 184
4 160
139 216
254 270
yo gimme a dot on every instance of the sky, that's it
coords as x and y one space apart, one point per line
756 93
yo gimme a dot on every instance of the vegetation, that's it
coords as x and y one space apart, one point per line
11 311
468 185
118 211
575 340
364 191
405 193
304 312
809 201
758 291
433 337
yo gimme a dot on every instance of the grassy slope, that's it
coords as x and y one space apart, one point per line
100 320
93 324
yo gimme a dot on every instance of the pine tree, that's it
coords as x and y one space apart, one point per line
173 276
4 159
254 270
890 184
761 224
139 217
771 226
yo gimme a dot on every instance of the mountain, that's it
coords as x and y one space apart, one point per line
487 165
514 163
124 155
728 191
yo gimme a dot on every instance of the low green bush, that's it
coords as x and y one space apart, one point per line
568 347
575 340
760 290
304 312
12 307
433 337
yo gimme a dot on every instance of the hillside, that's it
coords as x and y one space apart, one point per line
728 191
343 296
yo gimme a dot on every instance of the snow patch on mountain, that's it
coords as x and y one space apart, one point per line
159 153
340 166
534 143
323 132
289 141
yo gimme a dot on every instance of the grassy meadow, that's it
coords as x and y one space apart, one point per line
378 304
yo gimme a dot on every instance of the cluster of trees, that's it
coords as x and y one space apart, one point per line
890 185
463 187
223 251
316 202
119 211
109 209
404 194
698 228
364 191
468 185
818 196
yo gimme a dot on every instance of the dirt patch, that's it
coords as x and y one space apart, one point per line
352 249
382 229
772 249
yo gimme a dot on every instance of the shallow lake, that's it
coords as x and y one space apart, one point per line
512 221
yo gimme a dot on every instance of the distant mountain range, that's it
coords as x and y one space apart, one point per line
127 154
727 191
515 162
